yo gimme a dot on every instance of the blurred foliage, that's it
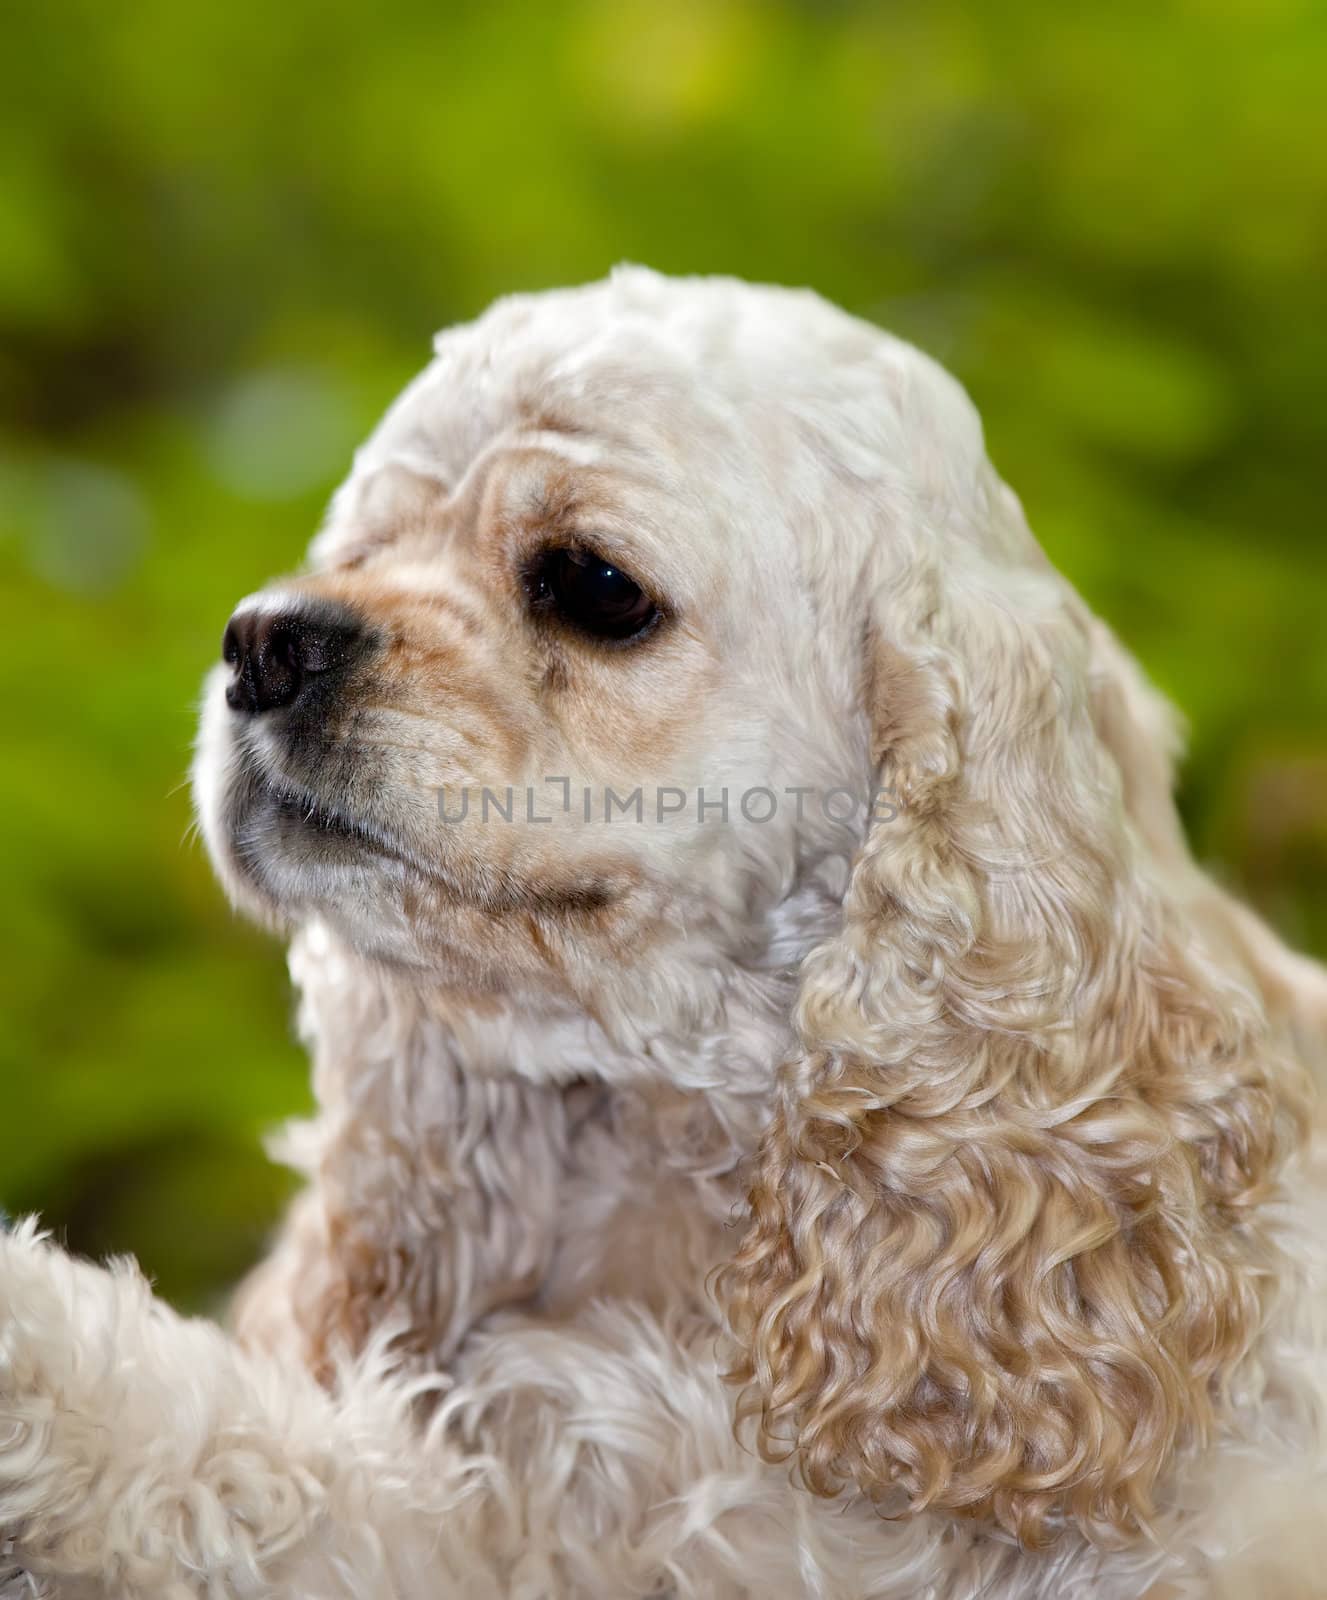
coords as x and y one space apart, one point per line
226 234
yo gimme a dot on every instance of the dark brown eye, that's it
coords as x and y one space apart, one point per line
590 594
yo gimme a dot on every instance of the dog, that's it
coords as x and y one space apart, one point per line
794 1120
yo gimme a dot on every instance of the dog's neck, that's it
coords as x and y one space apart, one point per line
467 1139
360 1018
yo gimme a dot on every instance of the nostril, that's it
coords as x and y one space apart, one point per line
276 665
230 645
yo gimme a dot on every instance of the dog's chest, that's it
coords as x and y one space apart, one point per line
648 1193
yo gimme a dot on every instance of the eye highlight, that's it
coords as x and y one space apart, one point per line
589 594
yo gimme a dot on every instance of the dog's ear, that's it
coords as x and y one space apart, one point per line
1006 1246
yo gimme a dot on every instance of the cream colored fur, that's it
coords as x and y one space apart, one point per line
922 1207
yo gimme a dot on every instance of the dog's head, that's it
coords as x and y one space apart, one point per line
536 715
691 539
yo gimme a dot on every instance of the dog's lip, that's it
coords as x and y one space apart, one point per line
310 810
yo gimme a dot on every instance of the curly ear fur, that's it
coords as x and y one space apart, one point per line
1006 1245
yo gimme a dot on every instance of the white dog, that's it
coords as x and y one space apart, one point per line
808 1129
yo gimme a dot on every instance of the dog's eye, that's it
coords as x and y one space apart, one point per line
590 594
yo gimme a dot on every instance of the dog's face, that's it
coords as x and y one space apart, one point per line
561 606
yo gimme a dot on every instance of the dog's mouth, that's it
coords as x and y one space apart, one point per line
286 839
301 809
293 846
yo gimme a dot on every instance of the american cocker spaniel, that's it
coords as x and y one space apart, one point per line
794 1119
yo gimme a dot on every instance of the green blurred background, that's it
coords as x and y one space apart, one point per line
227 233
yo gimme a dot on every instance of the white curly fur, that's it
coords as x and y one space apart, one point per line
1043 1087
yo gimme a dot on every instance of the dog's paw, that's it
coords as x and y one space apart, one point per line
141 1451
53 1352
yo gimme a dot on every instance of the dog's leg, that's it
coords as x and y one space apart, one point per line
145 1455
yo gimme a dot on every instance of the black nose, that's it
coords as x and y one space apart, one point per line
276 655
